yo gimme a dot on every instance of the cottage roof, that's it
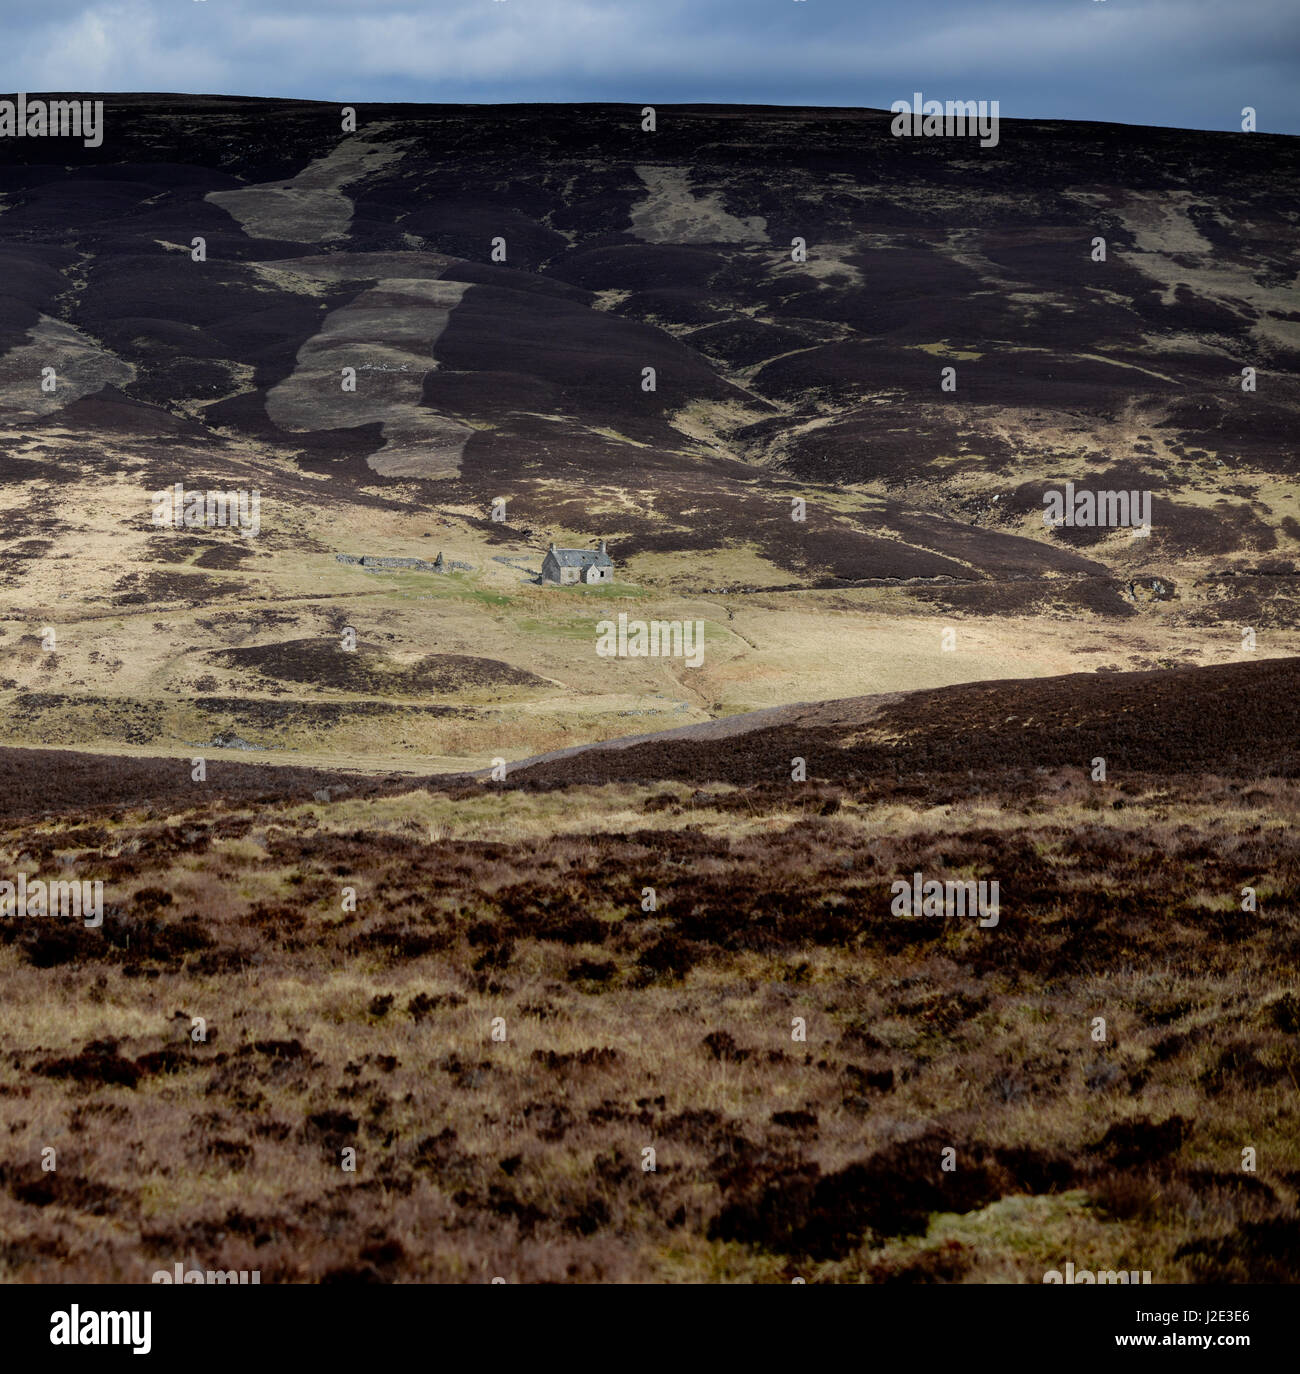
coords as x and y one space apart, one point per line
582 558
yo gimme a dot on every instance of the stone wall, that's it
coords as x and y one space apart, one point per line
419 564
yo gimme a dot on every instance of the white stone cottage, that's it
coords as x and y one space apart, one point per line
562 567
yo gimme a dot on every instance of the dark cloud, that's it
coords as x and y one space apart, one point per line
1194 63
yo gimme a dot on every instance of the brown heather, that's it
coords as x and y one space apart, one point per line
669 1029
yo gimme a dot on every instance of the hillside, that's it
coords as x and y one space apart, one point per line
500 1026
1238 720
641 1006
480 381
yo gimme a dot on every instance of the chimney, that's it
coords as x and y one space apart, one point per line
552 545
602 546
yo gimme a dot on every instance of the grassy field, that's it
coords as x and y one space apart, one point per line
119 636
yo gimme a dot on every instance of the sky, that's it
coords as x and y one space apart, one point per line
1188 63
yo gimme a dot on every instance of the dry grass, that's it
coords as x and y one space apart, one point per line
626 1030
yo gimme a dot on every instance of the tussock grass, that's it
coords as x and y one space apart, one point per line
625 1030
